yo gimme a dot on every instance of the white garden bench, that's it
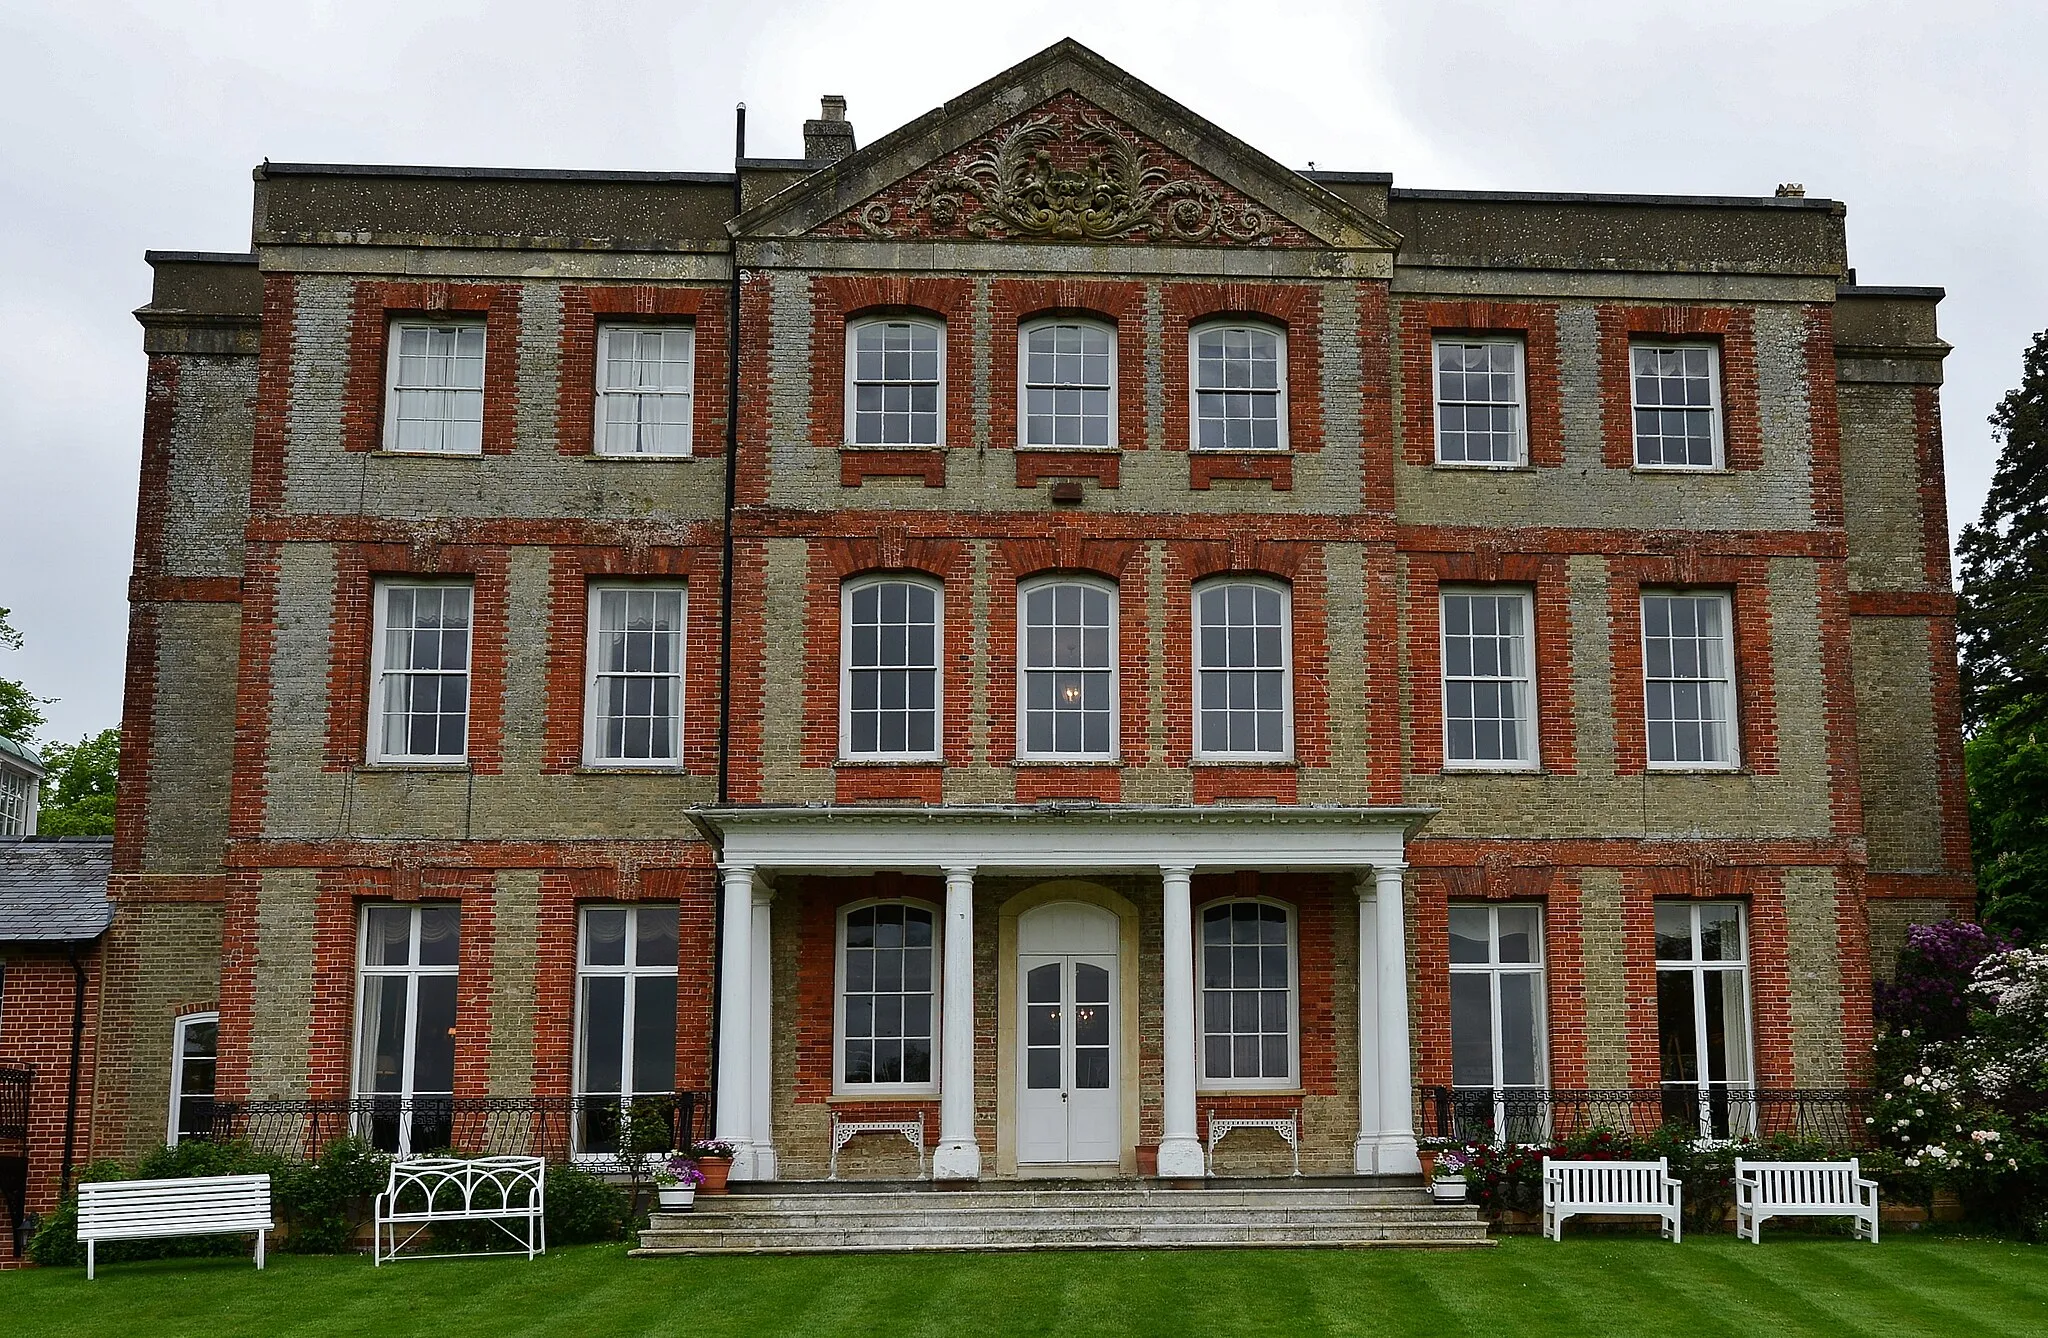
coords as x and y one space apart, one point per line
425 1192
209 1205
1614 1188
1765 1189
1289 1129
845 1131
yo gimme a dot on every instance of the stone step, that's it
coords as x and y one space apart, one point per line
1028 1216
1112 1216
898 1200
821 1240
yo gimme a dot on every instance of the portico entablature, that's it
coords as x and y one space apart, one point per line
1059 838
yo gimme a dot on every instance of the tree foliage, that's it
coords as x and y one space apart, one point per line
2003 620
2008 765
78 790
21 713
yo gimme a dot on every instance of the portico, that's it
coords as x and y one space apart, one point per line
1071 1084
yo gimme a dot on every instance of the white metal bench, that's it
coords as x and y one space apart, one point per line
425 1192
1619 1188
210 1205
1289 1130
1765 1189
845 1131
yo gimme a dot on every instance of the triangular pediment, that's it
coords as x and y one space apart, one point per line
1065 148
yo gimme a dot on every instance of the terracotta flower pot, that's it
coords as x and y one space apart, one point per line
1148 1159
715 1170
1427 1156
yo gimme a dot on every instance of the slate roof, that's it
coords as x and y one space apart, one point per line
53 889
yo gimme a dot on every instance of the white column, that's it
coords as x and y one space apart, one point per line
1396 1142
736 1018
1180 1151
761 1064
1365 1152
958 1156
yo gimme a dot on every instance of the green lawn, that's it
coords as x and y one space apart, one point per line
1594 1285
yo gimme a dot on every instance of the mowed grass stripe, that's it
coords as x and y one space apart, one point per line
1609 1286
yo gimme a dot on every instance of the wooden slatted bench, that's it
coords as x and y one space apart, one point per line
424 1192
1616 1188
1765 1189
210 1205
1288 1127
845 1131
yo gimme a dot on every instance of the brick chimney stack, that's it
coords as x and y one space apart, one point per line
830 137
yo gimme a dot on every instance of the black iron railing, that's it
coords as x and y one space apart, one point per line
1543 1114
559 1128
14 1085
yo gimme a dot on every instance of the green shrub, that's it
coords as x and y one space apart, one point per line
583 1207
323 1204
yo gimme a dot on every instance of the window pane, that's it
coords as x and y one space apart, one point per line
1520 1038
387 935
1520 935
1727 1027
656 943
1674 931
1720 933
440 935
1471 1030
1677 1032
654 1034
1470 934
381 1049
604 1033
604 936
433 1055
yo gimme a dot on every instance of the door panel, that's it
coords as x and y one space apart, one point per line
1068 1097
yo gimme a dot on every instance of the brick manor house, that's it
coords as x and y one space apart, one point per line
1051 625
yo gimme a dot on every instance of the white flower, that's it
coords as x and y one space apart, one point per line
1918 1113
1907 1033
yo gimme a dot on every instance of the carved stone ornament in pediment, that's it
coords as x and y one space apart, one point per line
1018 187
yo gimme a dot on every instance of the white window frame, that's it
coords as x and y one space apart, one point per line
1732 740
1024 383
1285 440
688 396
840 1086
1714 409
412 973
1025 670
594 676
1521 404
18 794
1698 970
379 671
1292 1080
179 1025
1493 969
847 590
394 329
1286 751
631 971
1527 741
850 384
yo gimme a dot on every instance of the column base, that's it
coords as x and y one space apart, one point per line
1385 1154
754 1161
957 1161
1181 1159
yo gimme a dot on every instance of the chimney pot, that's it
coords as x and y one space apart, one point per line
830 137
1791 190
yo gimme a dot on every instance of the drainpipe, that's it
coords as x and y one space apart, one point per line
77 1058
732 467
732 479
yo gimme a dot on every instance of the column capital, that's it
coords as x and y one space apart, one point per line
1177 870
953 871
735 869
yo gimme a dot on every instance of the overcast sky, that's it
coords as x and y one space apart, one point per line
130 126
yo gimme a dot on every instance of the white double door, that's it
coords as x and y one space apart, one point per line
1068 1062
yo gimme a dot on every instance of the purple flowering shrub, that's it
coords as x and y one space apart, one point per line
1929 994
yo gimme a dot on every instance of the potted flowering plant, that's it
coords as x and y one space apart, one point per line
676 1179
1447 1183
714 1162
1427 1150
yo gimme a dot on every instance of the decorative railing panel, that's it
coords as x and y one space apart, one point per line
557 1128
1543 1114
14 1085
